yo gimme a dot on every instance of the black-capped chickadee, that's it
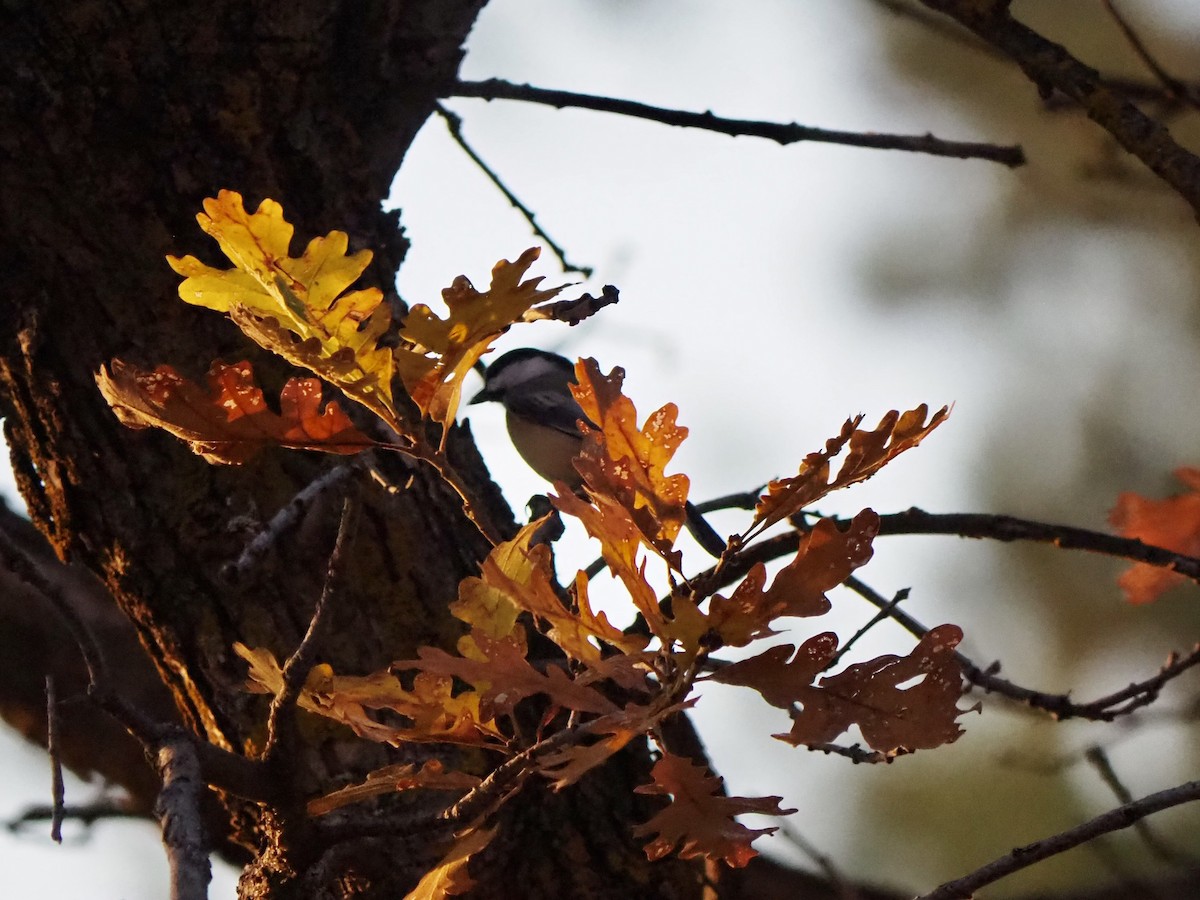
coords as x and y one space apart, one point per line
533 386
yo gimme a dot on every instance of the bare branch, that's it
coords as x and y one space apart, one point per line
780 132
1098 760
1175 89
178 811
57 790
1023 857
1060 706
281 720
454 126
1049 66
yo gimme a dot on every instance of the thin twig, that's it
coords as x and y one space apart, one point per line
57 790
1175 88
454 126
1022 857
283 522
1050 67
1105 709
884 613
855 753
88 814
281 720
229 771
780 132
1098 760
844 887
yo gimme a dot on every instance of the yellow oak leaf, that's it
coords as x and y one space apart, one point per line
439 353
435 712
449 878
296 306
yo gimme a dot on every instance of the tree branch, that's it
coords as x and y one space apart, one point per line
780 132
1049 66
1023 857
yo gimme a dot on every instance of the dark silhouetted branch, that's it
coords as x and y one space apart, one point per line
1049 66
454 126
1023 857
780 132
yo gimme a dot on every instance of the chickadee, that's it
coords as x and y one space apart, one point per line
534 388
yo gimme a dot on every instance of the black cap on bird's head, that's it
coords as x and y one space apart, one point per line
522 367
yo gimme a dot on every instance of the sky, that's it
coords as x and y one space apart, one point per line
771 292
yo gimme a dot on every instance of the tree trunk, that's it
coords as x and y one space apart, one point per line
116 120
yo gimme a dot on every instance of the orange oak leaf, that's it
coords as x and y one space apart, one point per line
868 452
627 463
892 718
449 878
620 540
229 422
499 671
435 714
699 820
824 559
296 307
438 353
391 779
1173 523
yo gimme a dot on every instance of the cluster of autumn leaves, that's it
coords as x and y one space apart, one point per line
612 685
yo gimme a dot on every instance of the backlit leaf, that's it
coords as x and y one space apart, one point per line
229 422
868 452
1173 523
449 878
389 780
295 306
438 353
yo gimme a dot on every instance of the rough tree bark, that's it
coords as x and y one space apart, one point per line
117 117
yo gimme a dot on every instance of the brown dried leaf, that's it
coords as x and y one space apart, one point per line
390 780
498 670
825 558
699 820
869 451
892 719
435 714
230 422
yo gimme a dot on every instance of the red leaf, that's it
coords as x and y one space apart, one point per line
1173 523
230 422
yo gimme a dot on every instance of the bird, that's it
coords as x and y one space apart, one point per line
543 416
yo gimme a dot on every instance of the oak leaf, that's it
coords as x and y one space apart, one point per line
503 677
868 452
1173 523
436 713
296 307
516 576
391 779
892 718
824 559
229 422
449 878
699 820
627 463
438 353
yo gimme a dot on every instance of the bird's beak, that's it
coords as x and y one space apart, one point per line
482 397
